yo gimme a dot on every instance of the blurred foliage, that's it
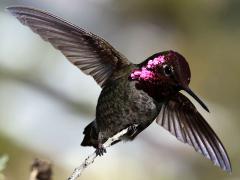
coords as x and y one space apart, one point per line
20 159
186 15
207 31
3 164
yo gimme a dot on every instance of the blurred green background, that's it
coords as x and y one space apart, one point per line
46 102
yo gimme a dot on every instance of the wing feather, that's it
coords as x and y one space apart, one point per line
90 53
180 117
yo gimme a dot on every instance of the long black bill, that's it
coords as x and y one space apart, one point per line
189 91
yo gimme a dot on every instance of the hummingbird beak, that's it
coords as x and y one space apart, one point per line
190 92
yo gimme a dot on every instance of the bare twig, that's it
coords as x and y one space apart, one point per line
90 159
40 170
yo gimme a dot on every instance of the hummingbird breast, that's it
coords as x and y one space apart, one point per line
121 105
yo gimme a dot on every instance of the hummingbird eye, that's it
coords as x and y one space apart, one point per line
167 70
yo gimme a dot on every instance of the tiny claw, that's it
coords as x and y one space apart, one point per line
100 150
132 130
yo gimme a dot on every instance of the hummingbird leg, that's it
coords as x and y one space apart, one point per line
100 150
132 130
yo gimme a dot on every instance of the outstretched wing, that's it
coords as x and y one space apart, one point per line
180 117
90 53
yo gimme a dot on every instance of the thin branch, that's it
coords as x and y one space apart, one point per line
90 159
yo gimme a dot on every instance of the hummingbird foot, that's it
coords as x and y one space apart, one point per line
132 130
100 150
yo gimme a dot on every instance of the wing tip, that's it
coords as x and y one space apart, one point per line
228 170
228 167
12 9
224 163
15 10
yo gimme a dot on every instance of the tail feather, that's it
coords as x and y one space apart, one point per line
91 135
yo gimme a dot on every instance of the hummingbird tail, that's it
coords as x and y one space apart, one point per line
91 135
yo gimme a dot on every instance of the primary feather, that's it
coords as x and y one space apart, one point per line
90 53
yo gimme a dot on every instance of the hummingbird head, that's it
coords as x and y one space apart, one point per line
164 74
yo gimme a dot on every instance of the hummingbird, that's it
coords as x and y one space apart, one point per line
131 93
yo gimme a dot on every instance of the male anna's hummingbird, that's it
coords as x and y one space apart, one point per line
131 93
